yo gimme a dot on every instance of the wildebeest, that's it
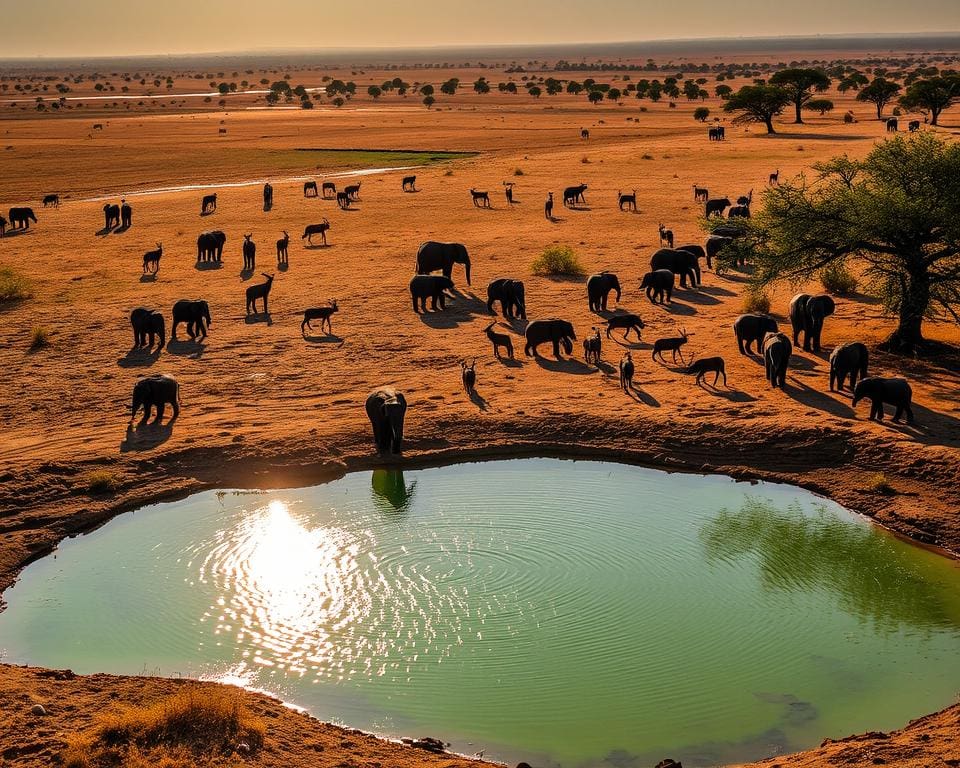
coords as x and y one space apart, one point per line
499 340
343 200
353 191
666 236
672 344
574 195
323 314
151 260
208 204
126 215
739 212
282 245
480 199
316 229
700 194
98 126
628 322
20 218
716 133
716 206
53 200
892 125
111 216
260 291
409 184
328 186
714 365
222 132
249 254
309 189
3 226
627 201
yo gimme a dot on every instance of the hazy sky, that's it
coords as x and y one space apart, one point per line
122 27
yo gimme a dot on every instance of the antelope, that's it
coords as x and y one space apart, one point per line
592 346
468 375
329 186
343 200
499 340
672 344
323 314
409 184
666 236
317 229
548 207
282 244
53 200
249 253
261 291
353 191
151 259
774 178
626 372
700 194
627 200
508 191
480 199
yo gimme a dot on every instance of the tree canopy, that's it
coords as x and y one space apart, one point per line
880 92
933 95
800 85
897 210
758 104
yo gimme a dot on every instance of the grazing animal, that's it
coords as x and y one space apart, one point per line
282 245
329 190
147 323
20 218
343 200
433 256
499 340
627 201
848 360
666 236
807 314
468 375
879 390
111 216
323 314
700 194
752 328
512 297
584 133
433 287
717 133
716 206
480 199
892 125
548 207
409 184
267 196
776 358
195 313
659 286
310 189
508 191
53 200
155 392
208 204
98 126
698 253
557 332
260 291
628 322
210 246
126 215
386 409
715 244
3 226
574 195
914 126
714 365
316 229
598 290
672 344
681 262
151 260
745 199
249 254
739 212
353 190
626 372
592 347
222 132
774 179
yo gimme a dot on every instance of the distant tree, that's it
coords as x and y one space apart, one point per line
281 86
264 81
272 98
613 94
758 104
934 95
481 86
374 91
426 89
306 104
595 97
800 85
535 91
450 86
701 114
880 92
819 105
574 87
428 101
338 102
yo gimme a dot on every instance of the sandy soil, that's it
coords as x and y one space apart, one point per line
264 406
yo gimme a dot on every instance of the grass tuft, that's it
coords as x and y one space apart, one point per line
518 171
880 484
14 286
39 337
102 482
838 280
756 301
558 260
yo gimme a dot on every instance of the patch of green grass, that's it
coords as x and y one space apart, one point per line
369 158
558 260
14 286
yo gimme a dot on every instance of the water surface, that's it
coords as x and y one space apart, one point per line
558 612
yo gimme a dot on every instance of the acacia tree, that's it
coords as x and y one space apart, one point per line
898 210
880 92
819 105
934 95
758 104
801 84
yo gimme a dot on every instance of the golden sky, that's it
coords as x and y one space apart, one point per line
53 28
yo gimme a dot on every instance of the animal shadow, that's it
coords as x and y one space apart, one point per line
19 233
151 278
510 362
316 246
258 317
679 308
145 437
326 339
283 267
120 230
700 297
204 266
822 401
102 232
460 309
638 394
564 365
191 348
139 357
478 400
246 274
733 395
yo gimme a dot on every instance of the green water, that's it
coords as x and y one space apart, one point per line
558 612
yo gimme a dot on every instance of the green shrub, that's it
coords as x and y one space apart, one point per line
101 482
14 286
756 301
558 260
39 337
838 280
880 484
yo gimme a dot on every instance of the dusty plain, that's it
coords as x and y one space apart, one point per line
264 406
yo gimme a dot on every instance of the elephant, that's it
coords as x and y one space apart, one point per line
848 359
716 206
3 225
196 314
598 290
807 314
111 216
386 409
147 322
512 297
432 256
210 246
879 390
715 244
752 328
659 285
20 218
155 392
126 215
698 253
433 287
776 358
551 330
682 263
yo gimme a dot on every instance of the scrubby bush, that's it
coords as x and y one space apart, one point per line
837 279
39 337
701 114
101 482
558 260
880 484
756 301
14 286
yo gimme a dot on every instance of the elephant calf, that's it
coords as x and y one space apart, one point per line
155 392
512 297
751 329
848 360
879 390
658 286
557 332
196 314
433 287
598 290
807 314
147 323
386 409
776 358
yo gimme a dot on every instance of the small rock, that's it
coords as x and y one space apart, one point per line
243 748
37 709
